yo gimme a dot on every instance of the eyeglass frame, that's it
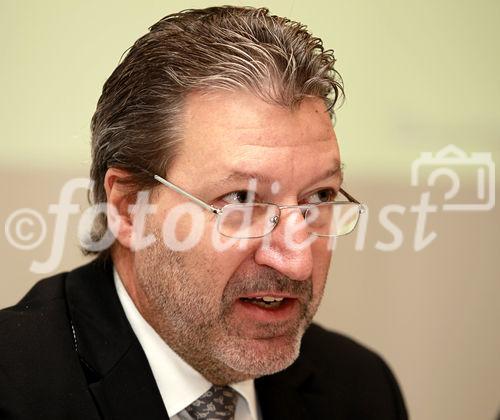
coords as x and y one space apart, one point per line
218 211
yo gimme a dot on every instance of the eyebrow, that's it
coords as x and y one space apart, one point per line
330 173
245 176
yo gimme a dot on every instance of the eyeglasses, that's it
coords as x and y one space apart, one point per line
255 220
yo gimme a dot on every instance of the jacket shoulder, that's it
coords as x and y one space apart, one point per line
35 324
354 371
44 293
36 347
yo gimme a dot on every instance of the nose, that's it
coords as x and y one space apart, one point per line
287 248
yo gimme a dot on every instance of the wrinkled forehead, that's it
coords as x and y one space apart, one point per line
230 132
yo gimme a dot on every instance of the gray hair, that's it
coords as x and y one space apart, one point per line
137 121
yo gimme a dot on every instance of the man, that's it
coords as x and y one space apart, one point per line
213 147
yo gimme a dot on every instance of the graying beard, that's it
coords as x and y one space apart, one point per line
188 337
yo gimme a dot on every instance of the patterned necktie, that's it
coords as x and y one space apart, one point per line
218 403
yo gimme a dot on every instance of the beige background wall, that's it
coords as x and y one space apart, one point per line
418 76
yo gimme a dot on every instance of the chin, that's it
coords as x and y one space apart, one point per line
256 357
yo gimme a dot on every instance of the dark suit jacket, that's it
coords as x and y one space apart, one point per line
67 351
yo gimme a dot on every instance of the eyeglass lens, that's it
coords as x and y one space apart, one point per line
258 219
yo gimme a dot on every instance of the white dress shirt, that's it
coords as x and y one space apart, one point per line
179 383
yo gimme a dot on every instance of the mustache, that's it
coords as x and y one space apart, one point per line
269 280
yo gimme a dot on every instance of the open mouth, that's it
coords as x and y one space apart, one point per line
267 307
267 302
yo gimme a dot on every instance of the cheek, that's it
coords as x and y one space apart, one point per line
219 259
182 226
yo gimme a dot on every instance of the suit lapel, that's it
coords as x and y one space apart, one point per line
129 390
119 376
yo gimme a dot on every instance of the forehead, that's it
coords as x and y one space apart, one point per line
236 131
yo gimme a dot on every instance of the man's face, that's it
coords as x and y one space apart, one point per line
205 302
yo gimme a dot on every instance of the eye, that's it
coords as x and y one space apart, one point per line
322 196
239 197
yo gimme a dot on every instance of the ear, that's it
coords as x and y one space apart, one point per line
120 221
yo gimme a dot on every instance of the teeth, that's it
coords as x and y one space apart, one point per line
271 299
264 301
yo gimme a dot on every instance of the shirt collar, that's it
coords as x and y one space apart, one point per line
247 390
179 383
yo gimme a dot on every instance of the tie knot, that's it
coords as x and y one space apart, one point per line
218 403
